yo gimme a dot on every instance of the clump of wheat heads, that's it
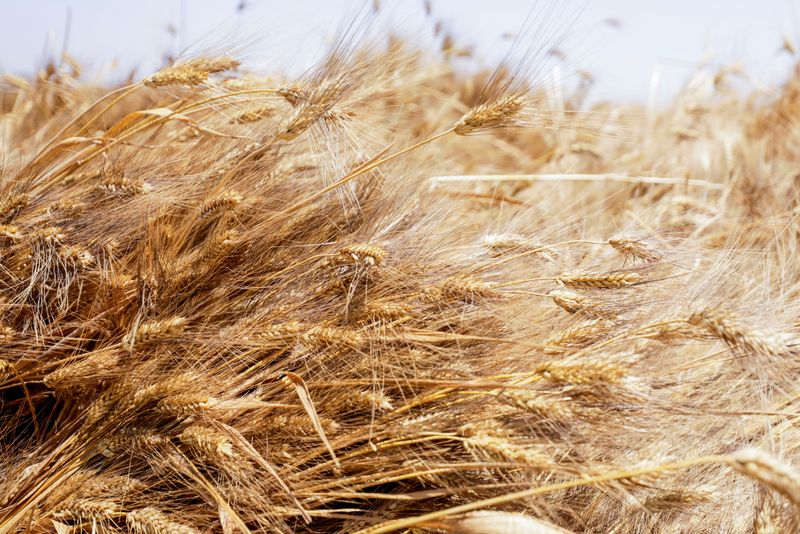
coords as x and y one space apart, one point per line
234 302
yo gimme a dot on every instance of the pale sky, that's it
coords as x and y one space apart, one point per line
667 36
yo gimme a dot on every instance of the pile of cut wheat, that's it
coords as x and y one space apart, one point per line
390 297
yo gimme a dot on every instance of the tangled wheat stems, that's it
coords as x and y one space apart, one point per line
232 302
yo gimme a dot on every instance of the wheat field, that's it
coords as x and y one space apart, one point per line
393 296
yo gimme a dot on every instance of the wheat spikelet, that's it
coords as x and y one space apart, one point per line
783 478
83 176
369 400
669 331
46 237
577 336
246 83
12 484
684 134
585 372
106 402
75 487
187 404
188 134
571 301
387 311
65 208
9 234
610 280
301 424
120 282
767 519
207 441
545 408
323 335
501 243
6 368
575 302
153 521
83 373
504 244
129 441
77 255
116 184
7 333
220 246
465 288
154 331
11 205
293 94
362 254
500 113
725 326
295 382
122 187
190 72
86 509
635 248
503 449
254 115
227 201
317 105
231 159
163 387
286 330
585 148
679 499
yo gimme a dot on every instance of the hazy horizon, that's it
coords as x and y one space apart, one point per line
624 44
